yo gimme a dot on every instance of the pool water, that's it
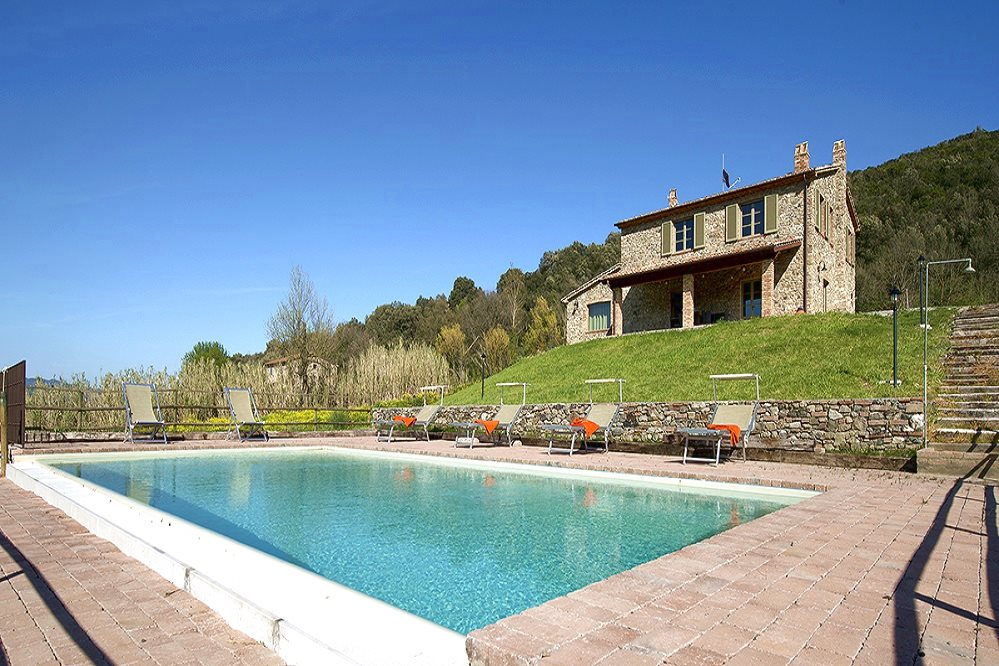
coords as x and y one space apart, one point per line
460 546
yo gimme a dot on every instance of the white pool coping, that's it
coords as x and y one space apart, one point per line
305 618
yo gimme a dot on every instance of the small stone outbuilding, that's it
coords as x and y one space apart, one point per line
780 246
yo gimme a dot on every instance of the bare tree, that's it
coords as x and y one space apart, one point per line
303 324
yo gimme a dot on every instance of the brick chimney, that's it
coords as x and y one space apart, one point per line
672 198
839 153
802 162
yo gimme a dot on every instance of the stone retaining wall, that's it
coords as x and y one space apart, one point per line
812 425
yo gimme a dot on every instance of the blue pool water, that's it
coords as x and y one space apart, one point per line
460 546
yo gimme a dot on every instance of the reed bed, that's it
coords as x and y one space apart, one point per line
192 399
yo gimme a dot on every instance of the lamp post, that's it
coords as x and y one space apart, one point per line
482 373
894 293
922 297
924 284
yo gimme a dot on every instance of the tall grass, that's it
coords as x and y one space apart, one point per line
194 395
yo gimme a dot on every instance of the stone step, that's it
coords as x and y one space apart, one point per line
966 447
972 350
976 322
968 379
952 389
945 404
972 322
966 435
990 412
971 423
971 465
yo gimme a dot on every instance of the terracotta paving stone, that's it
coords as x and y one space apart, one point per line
67 597
876 568
695 656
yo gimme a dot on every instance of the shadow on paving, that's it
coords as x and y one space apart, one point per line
908 647
54 604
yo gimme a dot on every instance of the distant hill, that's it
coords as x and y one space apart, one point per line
941 201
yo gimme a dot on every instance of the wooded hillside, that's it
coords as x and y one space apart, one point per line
942 202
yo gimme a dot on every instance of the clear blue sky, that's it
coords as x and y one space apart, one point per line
164 165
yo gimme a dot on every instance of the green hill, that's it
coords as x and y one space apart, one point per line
942 202
831 355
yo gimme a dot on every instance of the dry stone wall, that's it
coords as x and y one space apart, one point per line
802 425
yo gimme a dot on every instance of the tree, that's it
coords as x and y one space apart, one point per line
392 322
513 291
497 348
543 330
450 344
463 289
302 325
207 351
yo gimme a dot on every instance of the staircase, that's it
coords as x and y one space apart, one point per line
965 438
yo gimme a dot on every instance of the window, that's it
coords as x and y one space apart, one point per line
752 218
684 235
752 299
599 316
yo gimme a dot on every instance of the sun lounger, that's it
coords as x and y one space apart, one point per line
142 410
246 421
598 419
385 428
504 418
730 422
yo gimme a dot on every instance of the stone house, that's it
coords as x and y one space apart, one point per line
780 246
285 367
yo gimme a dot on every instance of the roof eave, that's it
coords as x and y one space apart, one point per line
691 206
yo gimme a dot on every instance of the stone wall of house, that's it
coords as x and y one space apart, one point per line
829 257
788 292
803 425
646 307
577 314
641 245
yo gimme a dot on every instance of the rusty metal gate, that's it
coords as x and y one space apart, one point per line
13 382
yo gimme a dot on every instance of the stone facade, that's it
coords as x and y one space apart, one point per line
800 267
803 425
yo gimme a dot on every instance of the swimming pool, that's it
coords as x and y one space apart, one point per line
460 543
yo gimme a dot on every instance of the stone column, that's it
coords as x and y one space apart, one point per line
688 300
617 322
767 288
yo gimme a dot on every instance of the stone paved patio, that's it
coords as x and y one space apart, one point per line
68 597
880 568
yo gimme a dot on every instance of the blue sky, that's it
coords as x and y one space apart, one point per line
164 166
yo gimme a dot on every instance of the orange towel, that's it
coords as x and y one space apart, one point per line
488 425
405 420
589 427
734 431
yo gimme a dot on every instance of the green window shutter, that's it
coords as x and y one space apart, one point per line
698 230
669 238
731 223
770 214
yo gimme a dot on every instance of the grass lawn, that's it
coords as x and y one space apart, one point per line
832 355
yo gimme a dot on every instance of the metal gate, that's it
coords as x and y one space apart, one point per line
13 382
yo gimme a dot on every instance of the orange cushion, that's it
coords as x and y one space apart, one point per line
405 420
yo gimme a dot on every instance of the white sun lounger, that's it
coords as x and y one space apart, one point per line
601 413
506 414
742 415
142 410
385 428
246 421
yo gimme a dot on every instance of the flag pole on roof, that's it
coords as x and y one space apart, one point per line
725 179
